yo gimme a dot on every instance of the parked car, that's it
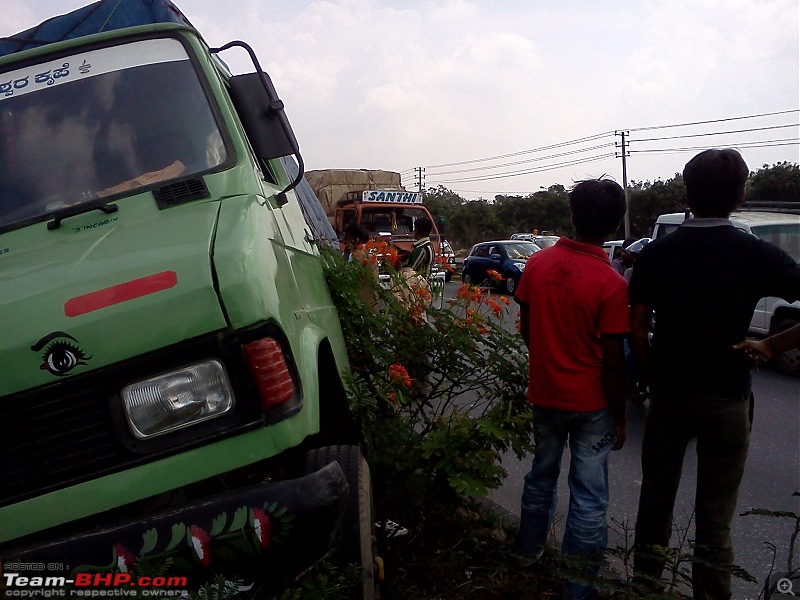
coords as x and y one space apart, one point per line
543 241
779 226
613 248
506 257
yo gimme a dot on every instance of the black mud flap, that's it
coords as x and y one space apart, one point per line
271 531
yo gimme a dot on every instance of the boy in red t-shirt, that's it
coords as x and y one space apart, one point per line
574 317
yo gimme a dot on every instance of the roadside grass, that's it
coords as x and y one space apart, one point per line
460 553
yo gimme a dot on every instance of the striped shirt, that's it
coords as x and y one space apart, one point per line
422 256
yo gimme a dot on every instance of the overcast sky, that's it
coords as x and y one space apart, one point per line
398 85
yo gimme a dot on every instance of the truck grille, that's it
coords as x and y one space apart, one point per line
75 430
49 443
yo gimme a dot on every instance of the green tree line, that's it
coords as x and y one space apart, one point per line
468 222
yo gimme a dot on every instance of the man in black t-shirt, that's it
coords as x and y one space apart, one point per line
703 281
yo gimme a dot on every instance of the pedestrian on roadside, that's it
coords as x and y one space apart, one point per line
769 348
633 253
625 259
574 317
636 388
354 238
422 254
703 282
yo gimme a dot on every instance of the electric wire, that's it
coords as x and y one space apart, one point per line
575 162
521 152
768 114
522 162
691 135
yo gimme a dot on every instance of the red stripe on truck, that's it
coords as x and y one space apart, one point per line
117 294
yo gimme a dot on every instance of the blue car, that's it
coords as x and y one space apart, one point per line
506 257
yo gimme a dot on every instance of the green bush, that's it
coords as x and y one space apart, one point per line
440 394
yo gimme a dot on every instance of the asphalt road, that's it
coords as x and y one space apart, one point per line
771 476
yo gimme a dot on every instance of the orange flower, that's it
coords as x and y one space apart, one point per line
504 300
464 292
393 398
494 306
494 275
399 374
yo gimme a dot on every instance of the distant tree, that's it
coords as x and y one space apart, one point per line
514 213
647 200
474 222
443 204
778 183
551 212
546 210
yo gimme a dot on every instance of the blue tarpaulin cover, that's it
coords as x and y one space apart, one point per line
312 209
100 16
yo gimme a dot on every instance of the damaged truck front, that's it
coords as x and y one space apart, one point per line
171 356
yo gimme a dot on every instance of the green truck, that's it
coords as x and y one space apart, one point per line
172 361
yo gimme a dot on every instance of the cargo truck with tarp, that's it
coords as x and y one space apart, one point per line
171 391
373 198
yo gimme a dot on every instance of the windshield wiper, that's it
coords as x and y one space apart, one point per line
79 209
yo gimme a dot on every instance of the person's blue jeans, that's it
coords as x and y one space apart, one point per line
591 436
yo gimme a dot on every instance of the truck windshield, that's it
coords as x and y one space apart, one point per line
100 123
389 220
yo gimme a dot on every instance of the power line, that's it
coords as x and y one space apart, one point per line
764 144
521 152
529 171
522 162
769 114
691 135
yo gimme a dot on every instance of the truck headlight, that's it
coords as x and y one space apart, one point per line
177 399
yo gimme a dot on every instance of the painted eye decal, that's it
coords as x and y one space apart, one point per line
60 355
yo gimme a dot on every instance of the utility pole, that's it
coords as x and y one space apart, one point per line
420 177
623 146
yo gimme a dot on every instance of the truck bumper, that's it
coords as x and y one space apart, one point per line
274 530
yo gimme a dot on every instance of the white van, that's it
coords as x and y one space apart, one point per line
780 227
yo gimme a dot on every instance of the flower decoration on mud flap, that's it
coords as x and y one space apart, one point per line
125 558
201 542
495 276
262 525
399 374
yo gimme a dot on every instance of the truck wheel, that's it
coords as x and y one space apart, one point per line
448 275
355 541
789 361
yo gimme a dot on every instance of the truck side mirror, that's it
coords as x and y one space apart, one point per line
262 115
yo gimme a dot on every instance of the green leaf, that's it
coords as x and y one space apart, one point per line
239 519
178 531
218 525
150 538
